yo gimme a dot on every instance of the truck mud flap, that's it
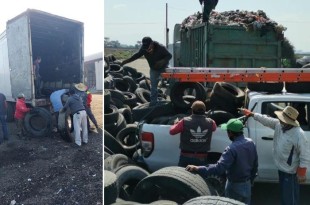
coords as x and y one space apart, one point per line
158 185
212 200
64 126
38 122
128 177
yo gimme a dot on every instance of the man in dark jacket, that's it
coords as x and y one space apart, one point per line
157 57
208 6
239 161
77 109
196 133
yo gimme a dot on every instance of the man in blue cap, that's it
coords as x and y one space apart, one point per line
239 162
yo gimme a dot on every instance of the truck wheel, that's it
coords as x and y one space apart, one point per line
128 177
110 187
115 161
212 200
10 112
158 185
64 126
38 122
112 144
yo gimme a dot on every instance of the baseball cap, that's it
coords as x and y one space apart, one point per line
233 124
146 41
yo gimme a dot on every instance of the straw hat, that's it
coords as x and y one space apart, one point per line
288 115
80 87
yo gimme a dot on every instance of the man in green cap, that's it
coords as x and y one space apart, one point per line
239 162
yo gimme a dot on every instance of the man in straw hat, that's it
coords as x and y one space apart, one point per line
290 150
196 133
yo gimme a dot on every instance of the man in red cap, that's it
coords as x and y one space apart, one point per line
196 133
290 150
157 57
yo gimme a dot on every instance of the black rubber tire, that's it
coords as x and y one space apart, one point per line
115 161
110 114
128 177
114 127
130 71
143 95
158 185
178 90
212 200
145 112
107 98
132 85
112 144
229 92
117 102
115 68
129 139
110 187
126 112
121 85
138 77
38 122
217 102
10 112
130 99
146 84
164 202
64 126
220 116
106 154
117 94
302 87
266 87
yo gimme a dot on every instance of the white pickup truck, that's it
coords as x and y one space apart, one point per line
160 149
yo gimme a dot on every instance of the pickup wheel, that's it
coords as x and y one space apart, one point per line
128 177
110 187
38 122
212 200
64 126
171 183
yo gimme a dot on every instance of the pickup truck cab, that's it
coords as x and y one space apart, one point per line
160 149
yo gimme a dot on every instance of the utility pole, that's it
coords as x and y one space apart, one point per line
167 29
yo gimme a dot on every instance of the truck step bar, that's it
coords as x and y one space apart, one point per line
199 74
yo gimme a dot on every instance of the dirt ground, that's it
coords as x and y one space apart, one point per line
51 171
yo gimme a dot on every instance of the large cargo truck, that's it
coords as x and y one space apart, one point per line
57 40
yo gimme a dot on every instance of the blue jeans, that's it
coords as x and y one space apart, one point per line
154 78
4 127
239 191
289 188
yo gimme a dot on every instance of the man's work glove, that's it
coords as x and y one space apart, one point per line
301 174
246 112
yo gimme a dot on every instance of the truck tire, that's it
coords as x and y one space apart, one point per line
129 139
302 87
114 161
110 187
130 99
107 99
158 185
225 104
178 90
164 202
130 71
114 127
132 85
220 116
111 114
212 200
126 112
128 177
146 84
10 112
143 95
121 85
38 122
145 112
112 144
266 87
229 91
64 126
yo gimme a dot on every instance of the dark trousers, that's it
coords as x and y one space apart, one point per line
21 131
90 116
289 188
4 127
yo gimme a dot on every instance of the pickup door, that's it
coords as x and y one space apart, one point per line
267 171
163 148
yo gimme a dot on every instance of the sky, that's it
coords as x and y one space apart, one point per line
128 21
89 12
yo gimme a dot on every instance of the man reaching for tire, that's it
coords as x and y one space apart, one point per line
157 57
239 161
196 133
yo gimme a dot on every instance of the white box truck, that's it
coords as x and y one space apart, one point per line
57 40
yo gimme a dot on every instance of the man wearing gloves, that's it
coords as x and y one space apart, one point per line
239 162
290 151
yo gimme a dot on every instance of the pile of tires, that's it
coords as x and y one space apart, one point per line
38 122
